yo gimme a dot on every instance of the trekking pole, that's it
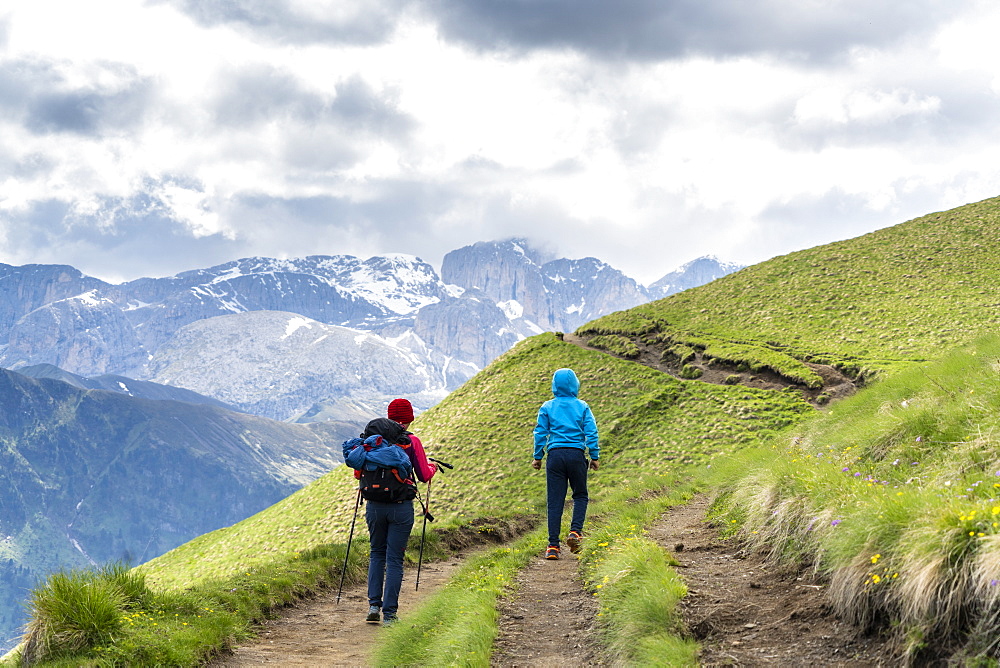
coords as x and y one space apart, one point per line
347 553
427 516
423 532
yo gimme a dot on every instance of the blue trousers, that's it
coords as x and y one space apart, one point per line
565 467
389 526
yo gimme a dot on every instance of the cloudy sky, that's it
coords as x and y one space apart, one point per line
147 138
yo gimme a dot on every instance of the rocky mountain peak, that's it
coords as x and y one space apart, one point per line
692 274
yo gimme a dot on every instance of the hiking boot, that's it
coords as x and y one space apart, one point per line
552 552
574 539
373 613
390 619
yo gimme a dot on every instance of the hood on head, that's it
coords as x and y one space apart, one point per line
565 383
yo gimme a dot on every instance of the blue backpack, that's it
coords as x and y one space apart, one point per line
381 463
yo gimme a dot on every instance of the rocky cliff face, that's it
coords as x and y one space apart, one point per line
582 290
557 294
24 289
279 364
471 327
489 296
504 271
88 334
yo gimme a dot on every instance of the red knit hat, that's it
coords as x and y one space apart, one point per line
400 410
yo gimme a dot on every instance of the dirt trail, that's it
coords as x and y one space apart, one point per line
741 610
745 612
550 619
318 632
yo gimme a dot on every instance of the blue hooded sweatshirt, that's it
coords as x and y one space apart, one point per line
565 421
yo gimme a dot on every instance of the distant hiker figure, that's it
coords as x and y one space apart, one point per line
385 468
566 431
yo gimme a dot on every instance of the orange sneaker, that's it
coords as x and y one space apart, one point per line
574 540
552 552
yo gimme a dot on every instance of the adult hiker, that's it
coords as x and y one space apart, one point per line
566 431
389 521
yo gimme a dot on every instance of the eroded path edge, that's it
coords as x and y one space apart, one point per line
745 611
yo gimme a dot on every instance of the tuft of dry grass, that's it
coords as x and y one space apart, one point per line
895 494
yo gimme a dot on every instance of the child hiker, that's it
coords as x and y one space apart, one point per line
566 431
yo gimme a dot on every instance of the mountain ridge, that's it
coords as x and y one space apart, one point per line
92 475
97 328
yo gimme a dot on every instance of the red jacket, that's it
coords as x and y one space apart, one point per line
421 467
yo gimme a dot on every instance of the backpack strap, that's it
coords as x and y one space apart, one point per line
402 481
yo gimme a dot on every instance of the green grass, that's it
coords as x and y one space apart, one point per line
679 354
616 344
318 514
457 626
871 304
634 579
111 617
894 494
754 357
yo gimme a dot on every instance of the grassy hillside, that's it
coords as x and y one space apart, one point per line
895 494
647 420
876 302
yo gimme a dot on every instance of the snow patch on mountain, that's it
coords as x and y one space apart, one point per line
91 298
511 308
279 364
295 324
692 274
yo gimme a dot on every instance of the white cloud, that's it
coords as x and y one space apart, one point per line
839 107
285 128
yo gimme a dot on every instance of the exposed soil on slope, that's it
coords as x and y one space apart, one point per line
550 619
745 612
835 384
319 632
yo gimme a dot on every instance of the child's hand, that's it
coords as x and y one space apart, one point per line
536 464
594 464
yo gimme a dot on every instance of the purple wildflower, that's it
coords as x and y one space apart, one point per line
834 523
